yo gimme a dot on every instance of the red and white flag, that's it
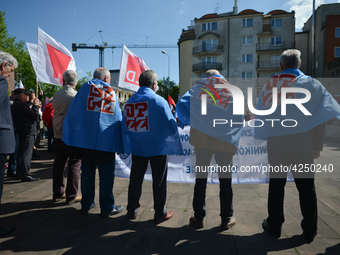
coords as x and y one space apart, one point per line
131 67
171 102
21 85
53 59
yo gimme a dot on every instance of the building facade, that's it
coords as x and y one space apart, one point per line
242 46
326 41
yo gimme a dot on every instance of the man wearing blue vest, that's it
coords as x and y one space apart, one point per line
147 124
294 146
93 123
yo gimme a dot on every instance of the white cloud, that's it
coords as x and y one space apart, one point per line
184 7
304 9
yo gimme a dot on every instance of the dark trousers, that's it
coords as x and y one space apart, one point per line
203 158
159 168
3 158
12 163
304 183
50 140
25 150
73 173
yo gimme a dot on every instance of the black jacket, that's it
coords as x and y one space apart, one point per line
24 118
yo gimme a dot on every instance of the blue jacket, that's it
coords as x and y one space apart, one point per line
93 120
149 128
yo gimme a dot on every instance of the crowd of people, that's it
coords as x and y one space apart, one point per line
87 128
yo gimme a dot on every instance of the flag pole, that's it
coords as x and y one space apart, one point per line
37 89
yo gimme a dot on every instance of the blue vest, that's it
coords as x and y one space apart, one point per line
93 120
149 128
219 107
321 105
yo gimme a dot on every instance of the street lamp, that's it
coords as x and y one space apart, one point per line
168 72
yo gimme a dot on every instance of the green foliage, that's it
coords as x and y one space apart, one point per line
83 80
163 85
8 43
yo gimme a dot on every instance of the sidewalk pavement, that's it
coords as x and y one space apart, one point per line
43 227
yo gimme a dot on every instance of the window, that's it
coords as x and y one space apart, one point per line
247 58
276 40
337 52
208 61
247 22
247 40
247 76
276 23
209 26
208 45
274 58
337 32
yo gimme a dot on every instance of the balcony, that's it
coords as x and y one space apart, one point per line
268 65
208 49
269 47
267 28
203 66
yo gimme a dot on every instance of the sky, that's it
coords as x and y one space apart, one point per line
152 22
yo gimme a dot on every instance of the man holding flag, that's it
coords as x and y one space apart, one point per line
93 123
208 141
294 146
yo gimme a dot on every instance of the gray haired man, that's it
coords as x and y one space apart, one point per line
7 141
61 102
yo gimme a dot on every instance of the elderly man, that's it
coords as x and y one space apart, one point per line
209 141
7 140
294 146
148 122
93 123
61 102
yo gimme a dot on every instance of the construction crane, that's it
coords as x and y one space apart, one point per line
105 45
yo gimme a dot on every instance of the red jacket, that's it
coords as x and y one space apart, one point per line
48 115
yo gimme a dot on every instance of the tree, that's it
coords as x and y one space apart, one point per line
163 89
83 80
25 71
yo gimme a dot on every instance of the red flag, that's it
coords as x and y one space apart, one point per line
53 59
130 68
171 101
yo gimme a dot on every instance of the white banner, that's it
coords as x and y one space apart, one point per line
250 163
131 67
53 59
33 51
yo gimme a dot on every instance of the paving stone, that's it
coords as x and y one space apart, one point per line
48 228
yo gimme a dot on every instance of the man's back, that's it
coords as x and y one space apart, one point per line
61 102
147 123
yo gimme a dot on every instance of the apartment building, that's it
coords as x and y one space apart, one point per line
326 41
242 46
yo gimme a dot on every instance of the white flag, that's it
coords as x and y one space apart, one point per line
21 85
53 59
33 51
131 67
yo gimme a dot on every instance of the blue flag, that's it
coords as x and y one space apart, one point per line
149 128
93 120
320 107
219 121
